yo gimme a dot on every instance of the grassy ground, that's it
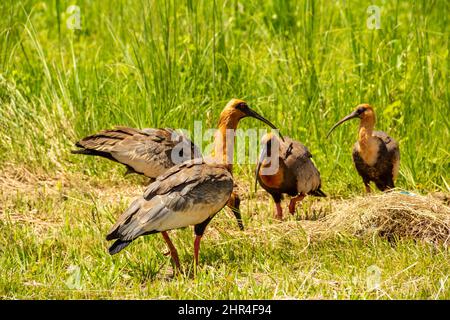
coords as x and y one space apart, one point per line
53 247
302 64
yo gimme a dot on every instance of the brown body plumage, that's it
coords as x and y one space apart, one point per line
187 194
150 152
293 172
190 193
147 151
376 155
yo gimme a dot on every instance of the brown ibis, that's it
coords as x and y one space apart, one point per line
376 155
150 152
147 151
187 194
289 170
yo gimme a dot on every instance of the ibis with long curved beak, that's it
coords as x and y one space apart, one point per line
149 152
188 194
285 167
376 155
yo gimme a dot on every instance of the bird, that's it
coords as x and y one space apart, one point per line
376 155
188 194
285 167
149 152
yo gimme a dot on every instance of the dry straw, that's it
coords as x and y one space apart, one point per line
392 215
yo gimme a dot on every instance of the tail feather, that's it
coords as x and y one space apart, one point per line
385 185
118 230
91 152
118 246
318 193
81 151
114 234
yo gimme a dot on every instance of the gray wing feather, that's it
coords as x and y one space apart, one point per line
393 150
147 151
187 195
299 162
391 145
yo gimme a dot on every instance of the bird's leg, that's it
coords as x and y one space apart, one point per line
367 185
279 211
233 203
199 229
277 197
172 249
196 249
294 201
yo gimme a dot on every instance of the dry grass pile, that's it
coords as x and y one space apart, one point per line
393 215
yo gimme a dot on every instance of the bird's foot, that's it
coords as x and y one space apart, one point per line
294 201
177 270
234 203
197 240
172 251
291 207
279 212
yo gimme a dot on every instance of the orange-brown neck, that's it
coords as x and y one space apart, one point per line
368 145
274 180
224 139
365 130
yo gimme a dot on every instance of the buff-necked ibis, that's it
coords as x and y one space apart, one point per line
289 170
376 155
150 152
188 194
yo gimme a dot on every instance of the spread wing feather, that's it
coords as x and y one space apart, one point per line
147 151
187 194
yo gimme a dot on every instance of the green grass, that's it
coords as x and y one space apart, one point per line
46 237
303 65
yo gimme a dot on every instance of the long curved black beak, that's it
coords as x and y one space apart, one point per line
262 156
251 113
352 115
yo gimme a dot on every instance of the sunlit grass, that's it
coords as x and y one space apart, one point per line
302 64
52 246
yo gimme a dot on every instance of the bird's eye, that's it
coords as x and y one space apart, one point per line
361 110
241 106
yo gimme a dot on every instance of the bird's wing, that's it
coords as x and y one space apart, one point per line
393 151
298 161
147 151
390 143
187 194
292 149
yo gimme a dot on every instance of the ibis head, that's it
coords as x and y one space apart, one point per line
363 112
266 152
237 109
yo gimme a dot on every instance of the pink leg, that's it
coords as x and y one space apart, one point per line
196 249
294 201
172 249
279 213
367 188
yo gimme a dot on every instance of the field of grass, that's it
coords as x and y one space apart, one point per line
301 64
